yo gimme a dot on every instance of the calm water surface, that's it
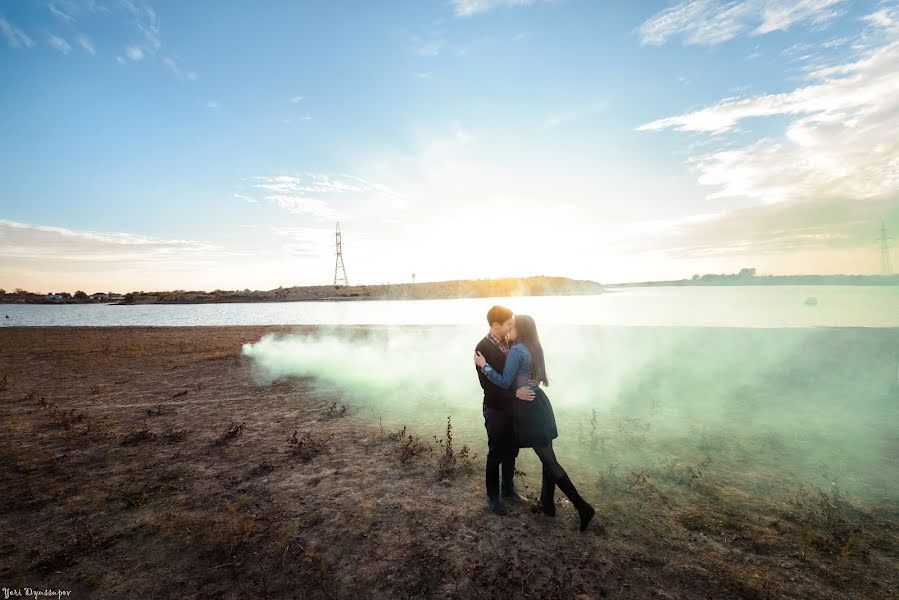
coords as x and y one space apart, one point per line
761 306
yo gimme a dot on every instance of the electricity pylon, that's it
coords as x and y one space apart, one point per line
886 265
339 268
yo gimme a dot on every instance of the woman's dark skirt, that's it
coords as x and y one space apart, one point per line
534 423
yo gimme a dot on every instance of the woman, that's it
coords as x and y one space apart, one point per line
534 423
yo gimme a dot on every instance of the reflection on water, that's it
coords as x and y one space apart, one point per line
760 306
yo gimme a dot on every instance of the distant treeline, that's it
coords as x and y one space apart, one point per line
20 296
465 288
748 277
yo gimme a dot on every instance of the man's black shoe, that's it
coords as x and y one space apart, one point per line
497 506
547 509
513 497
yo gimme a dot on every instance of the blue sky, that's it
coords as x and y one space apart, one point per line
162 145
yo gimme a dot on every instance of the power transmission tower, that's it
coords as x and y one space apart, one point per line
886 265
339 268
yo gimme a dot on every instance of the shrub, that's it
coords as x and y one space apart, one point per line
450 464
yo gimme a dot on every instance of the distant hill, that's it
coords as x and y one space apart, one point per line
463 288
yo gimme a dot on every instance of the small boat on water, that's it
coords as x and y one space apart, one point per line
811 301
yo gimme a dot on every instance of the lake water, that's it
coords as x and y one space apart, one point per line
758 306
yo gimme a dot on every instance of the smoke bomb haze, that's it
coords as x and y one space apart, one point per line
766 409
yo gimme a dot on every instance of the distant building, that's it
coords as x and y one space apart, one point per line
100 296
62 295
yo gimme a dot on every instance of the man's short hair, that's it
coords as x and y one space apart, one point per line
498 314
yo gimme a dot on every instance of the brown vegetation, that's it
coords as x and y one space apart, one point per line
116 484
465 288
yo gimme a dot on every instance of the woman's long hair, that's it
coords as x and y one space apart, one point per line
526 333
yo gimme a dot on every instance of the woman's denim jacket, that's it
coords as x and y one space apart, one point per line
517 369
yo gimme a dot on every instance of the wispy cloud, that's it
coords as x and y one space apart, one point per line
426 47
468 8
172 65
56 11
296 99
85 42
292 194
146 21
40 256
712 22
58 43
15 37
46 243
212 104
303 194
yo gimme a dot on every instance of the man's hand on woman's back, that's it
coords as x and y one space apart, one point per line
525 393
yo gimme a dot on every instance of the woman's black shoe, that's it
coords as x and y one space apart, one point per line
549 510
586 515
584 510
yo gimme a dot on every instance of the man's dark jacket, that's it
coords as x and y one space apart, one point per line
494 396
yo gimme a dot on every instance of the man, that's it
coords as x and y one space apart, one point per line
497 409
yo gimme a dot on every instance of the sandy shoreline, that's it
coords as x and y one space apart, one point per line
147 462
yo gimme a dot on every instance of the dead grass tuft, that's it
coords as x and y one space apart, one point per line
233 432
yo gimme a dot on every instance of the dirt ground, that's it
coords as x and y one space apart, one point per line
148 463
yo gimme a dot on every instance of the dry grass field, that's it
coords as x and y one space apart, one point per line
148 463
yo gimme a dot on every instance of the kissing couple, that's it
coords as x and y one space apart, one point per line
523 419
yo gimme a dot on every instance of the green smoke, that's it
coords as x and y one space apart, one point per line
769 407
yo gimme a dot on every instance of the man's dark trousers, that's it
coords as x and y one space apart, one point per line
501 450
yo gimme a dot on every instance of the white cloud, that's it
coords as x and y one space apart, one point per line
15 37
296 99
212 104
714 21
840 141
467 8
85 42
134 53
59 44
